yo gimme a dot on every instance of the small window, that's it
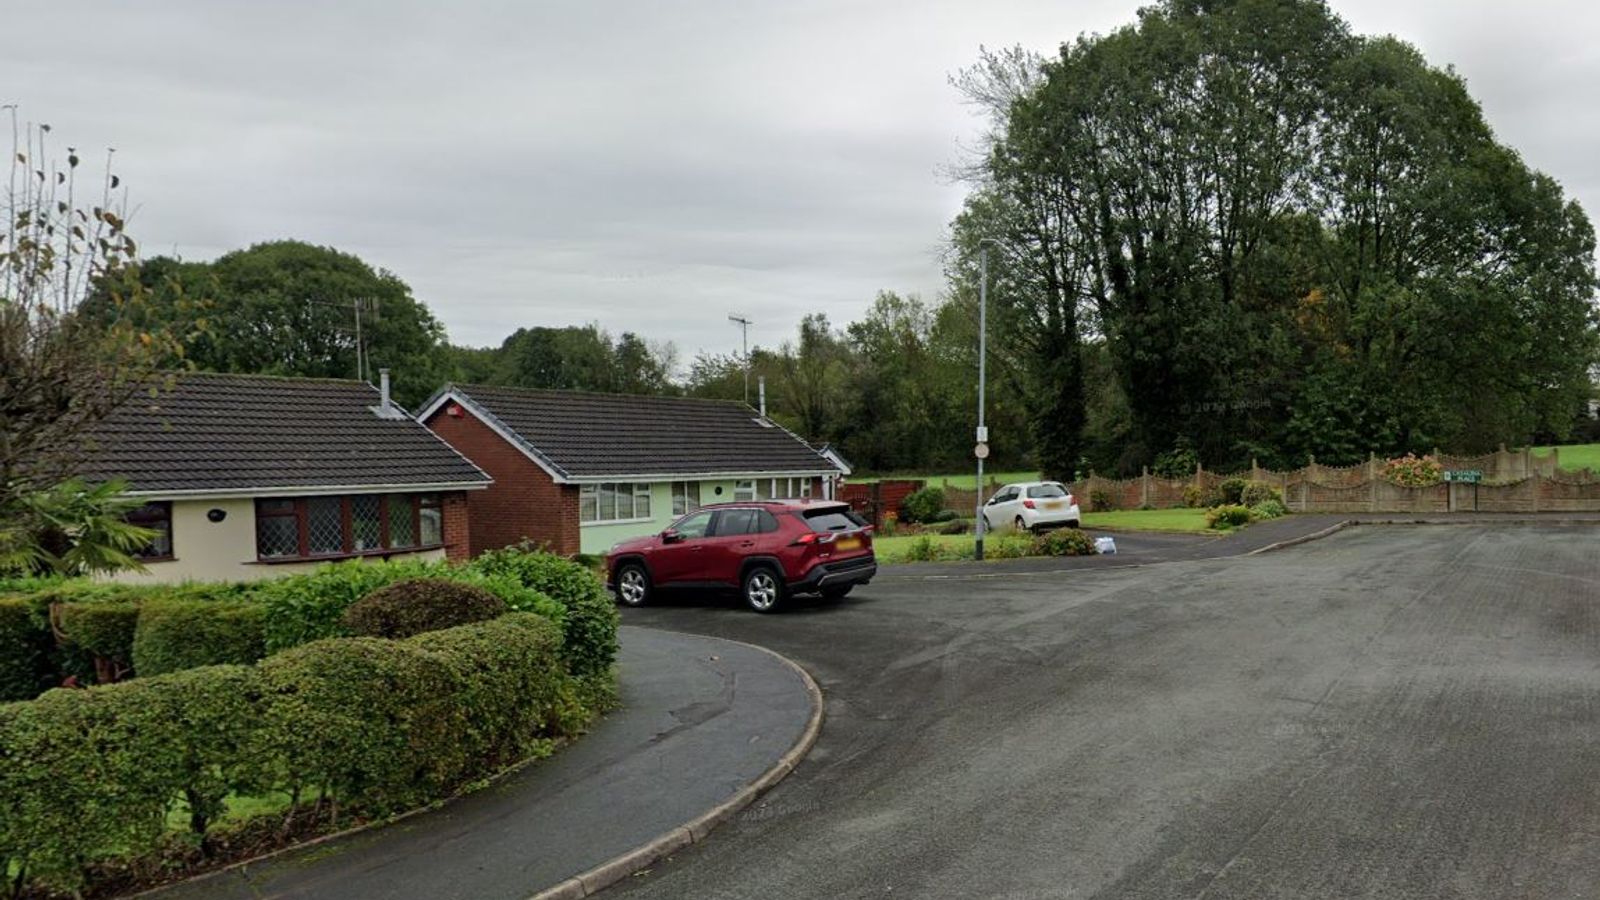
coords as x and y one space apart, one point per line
641 501
744 490
685 497
430 519
766 488
158 518
325 525
402 521
735 521
805 487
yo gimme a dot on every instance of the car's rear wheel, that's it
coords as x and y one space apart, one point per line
633 584
763 589
837 592
1021 525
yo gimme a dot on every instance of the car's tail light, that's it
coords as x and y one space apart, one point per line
1028 504
1071 500
811 537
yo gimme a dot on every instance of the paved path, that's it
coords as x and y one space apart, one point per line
701 719
1390 712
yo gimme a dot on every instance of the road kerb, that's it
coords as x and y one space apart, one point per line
1304 538
695 830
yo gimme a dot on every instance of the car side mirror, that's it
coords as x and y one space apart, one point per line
670 537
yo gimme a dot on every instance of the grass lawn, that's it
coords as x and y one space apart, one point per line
893 549
1575 456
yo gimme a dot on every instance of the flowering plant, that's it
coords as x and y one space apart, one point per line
1413 471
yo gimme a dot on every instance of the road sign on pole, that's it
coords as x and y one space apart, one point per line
982 452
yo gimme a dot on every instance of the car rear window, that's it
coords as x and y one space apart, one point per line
1046 491
826 520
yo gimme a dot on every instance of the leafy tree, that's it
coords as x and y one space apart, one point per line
61 373
290 308
1291 239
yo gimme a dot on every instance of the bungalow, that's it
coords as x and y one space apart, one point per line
251 476
580 471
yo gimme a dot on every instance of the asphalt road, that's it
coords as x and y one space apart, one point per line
1394 712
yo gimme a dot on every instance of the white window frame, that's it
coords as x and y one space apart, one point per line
639 507
688 492
744 491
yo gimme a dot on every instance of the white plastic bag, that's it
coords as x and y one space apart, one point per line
1105 544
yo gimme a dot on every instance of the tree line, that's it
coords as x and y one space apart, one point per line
1237 228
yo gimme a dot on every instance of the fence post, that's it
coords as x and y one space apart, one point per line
1555 460
1144 486
1311 465
1372 479
1533 486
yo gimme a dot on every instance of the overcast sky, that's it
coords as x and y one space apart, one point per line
648 166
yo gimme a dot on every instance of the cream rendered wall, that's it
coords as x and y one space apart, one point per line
222 551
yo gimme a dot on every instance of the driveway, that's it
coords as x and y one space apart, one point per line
1390 712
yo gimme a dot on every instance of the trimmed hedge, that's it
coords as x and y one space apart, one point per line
173 635
104 630
412 607
24 650
368 726
1228 516
589 616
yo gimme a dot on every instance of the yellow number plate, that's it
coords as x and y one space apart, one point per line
1053 505
847 544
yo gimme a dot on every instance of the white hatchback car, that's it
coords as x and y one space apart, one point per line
1031 506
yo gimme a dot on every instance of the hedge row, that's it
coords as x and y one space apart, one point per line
369 726
153 629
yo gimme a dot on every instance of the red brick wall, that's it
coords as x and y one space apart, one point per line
878 498
457 526
524 503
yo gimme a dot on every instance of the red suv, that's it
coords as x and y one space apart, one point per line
768 550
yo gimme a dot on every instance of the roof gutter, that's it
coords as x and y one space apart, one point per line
310 490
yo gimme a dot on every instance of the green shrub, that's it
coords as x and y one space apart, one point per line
178 634
1063 542
1228 516
923 549
509 680
1195 496
923 505
957 526
24 650
1178 463
105 631
1008 546
1269 509
588 616
307 607
1230 491
1101 500
368 721
945 515
407 608
1257 492
368 725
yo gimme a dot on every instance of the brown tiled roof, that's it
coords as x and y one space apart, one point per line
229 433
588 435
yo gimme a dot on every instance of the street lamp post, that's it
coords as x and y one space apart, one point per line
981 450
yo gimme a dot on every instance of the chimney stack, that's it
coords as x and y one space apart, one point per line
383 390
762 383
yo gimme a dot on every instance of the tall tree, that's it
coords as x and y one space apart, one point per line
1286 235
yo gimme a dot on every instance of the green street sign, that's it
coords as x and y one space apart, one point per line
1464 476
